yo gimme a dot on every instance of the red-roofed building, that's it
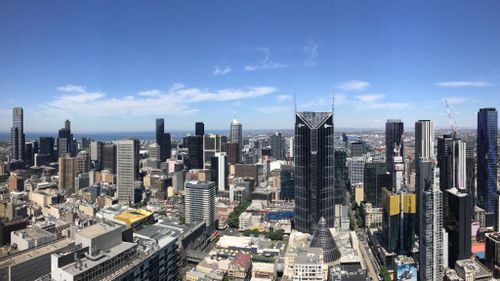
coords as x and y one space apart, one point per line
241 267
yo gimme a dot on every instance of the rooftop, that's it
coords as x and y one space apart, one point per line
132 216
34 233
97 229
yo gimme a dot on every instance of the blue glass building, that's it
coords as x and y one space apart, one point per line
487 124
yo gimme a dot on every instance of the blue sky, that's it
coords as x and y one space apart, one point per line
117 65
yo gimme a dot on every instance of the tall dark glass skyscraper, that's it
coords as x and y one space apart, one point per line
163 140
65 140
394 129
487 126
17 137
314 170
199 129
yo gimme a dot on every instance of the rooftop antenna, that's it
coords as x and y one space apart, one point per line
294 101
333 107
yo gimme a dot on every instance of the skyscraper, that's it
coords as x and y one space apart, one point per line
458 221
67 173
375 177
220 170
109 157
394 129
200 202
233 152
424 139
341 175
487 149
451 162
314 170
96 148
163 140
424 150
236 133
17 137
199 129
430 223
65 140
278 146
194 144
211 144
127 160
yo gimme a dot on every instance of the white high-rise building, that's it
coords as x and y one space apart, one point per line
458 152
220 171
236 133
431 228
424 139
127 162
199 201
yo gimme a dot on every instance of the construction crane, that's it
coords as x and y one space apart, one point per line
451 120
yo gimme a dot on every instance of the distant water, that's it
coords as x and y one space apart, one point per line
5 136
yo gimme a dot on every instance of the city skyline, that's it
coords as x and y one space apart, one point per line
380 61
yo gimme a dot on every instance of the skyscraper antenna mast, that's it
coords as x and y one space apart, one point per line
294 102
333 107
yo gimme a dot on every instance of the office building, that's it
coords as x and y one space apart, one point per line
278 146
109 157
356 170
82 162
67 174
358 149
452 162
424 139
127 162
375 177
308 265
46 147
154 151
96 151
314 170
458 221
17 137
398 221
199 200
487 149
30 150
65 140
492 252
220 170
194 144
211 144
287 186
233 152
394 129
236 133
199 129
430 213
341 175
163 140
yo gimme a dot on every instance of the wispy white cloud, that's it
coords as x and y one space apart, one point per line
462 84
353 85
221 70
178 100
266 63
282 98
311 50
376 101
369 97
